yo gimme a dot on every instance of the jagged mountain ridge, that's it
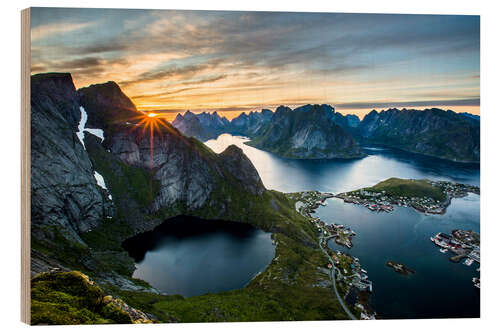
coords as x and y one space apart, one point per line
205 126
308 132
434 132
250 124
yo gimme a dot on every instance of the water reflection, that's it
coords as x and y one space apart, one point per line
191 256
343 175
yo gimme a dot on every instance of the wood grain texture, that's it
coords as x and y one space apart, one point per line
25 165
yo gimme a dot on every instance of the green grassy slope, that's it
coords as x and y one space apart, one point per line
408 188
69 299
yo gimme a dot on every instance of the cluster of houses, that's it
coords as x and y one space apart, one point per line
465 244
310 200
383 202
355 278
455 190
342 234
349 273
380 201
446 241
375 201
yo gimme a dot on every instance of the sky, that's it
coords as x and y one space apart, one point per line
230 62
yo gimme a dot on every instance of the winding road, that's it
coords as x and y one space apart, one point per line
341 301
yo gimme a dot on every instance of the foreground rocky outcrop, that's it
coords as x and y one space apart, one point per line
444 134
308 132
72 298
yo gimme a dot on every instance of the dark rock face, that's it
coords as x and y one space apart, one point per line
107 105
353 121
242 169
308 132
250 124
184 174
434 132
471 117
64 193
187 173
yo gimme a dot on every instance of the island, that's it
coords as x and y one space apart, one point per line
426 196
400 268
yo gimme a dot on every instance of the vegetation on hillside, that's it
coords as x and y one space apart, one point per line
70 298
418 188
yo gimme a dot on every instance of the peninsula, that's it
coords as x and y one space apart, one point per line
426 196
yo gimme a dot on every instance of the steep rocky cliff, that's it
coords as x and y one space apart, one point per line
100 174
434 132
65 197
179 175
308 132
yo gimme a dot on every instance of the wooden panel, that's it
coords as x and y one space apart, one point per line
25 164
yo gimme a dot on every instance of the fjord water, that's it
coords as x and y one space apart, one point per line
288 175
439 288
191 256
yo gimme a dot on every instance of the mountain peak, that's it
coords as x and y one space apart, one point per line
178 118
241 168
107 105
61 89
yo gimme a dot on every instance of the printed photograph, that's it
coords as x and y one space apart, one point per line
225 166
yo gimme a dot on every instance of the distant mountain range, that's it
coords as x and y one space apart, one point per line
434 132
205 126
308 132
318 132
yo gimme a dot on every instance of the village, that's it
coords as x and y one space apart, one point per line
351 280
464 244
383 201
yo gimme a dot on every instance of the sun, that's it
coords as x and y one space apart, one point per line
152 114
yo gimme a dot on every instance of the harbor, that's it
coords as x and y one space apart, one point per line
403 237
463 244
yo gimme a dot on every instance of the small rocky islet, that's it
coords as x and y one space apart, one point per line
399 268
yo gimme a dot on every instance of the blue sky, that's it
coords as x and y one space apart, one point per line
238 61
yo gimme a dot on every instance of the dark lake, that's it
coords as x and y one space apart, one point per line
439 288
191 256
